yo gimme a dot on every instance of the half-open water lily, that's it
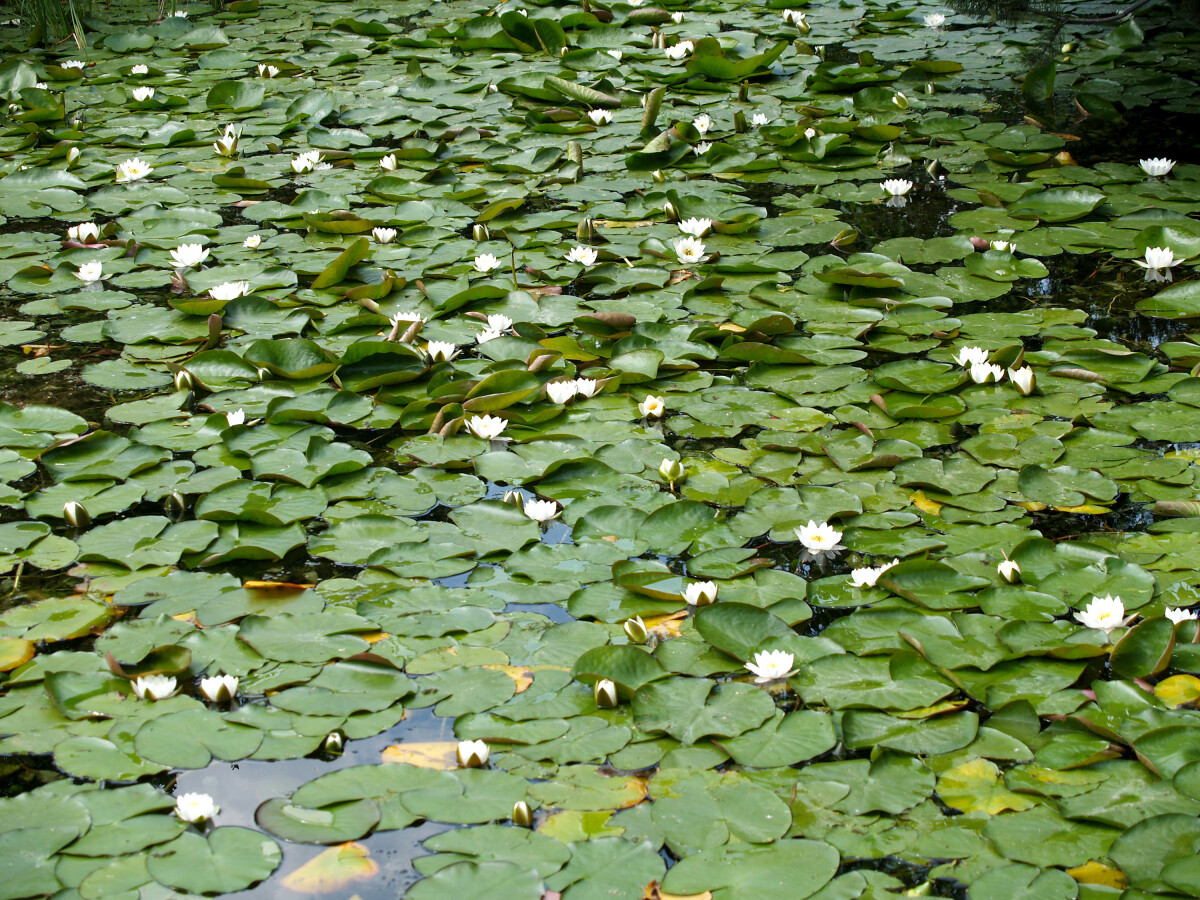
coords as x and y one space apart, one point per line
542 510
219 688
1156 167
1158 263
154 687
90 272
697 228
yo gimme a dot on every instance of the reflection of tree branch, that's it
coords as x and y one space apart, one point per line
1095 20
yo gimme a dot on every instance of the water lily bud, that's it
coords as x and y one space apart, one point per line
672 213
513 498
700 593
263 374
481 233
219 688
184 380
72 155
671 470
930 88
743 92
334 741
1023 380
933 168
900 100
174 505
472 754
522 815
605 694
1068 47
658 175
585 230
1009 571
76 515
635 630
739 122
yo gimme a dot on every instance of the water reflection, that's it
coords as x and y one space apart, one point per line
239 788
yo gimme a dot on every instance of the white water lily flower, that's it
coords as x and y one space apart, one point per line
140 69
696 227
703 123
229 290
560 391
227 143
236 418
306 162
771 665
541 510
1179 615
701 148
181 14
759 119
219 687
652 407
689 250
440 351
1003 246
794 16
1156 167
266 71
868 576
142 94
472 754
90 272
1009 571
485 262
811 133
935 21
970 356
982 373
1022 379
253 242
383 235
615 54
897 187
585 256
187 255
1103 613
194 808
600 116
487 427
677 18
586 387
71 64
488 334
680 50
84 232
154 687
132 170
700 593
821 538
499 322
388 163
1158 263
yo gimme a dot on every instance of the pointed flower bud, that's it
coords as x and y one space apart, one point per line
635 630
481 233
76 515
522 815
605 694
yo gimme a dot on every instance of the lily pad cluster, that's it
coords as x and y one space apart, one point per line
773 443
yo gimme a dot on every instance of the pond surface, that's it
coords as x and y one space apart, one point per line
772 438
